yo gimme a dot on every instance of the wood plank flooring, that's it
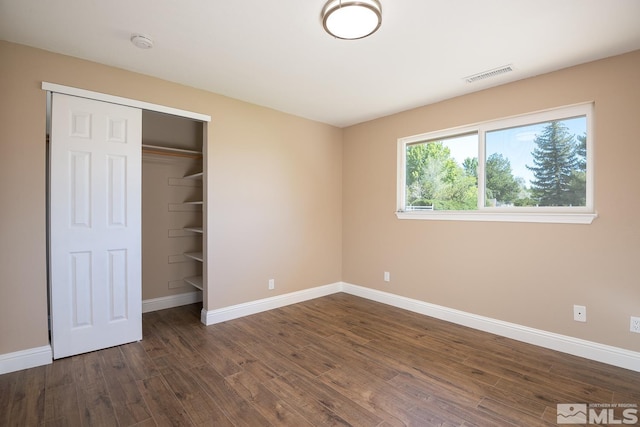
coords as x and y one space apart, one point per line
338 360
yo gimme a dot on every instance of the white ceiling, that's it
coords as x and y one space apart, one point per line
276 54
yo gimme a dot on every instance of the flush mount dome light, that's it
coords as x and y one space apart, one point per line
351 19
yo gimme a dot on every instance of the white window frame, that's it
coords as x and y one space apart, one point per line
571 215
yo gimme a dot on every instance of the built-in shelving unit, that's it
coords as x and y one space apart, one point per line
195 281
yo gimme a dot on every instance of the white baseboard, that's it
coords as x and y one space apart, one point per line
171 301
578 347
24 359
212 317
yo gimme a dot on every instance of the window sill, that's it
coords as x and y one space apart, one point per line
536 217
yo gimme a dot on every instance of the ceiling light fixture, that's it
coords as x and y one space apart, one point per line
141 41
351 19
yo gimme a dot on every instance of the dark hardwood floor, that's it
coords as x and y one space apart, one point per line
336 360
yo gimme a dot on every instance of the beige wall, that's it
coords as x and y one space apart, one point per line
529 274
274 189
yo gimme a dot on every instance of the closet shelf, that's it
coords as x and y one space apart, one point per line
194 176
195 281
170 149
194 229
198 256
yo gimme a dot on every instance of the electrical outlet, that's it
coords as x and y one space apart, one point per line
579 313
635 325
387 276
272 284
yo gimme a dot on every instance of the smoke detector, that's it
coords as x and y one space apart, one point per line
141 41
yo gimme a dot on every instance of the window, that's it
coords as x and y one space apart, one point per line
531 168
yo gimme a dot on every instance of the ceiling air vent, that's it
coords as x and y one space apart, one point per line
489 73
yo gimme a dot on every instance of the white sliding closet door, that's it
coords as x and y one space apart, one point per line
95 232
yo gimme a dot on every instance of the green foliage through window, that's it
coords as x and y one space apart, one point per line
436 181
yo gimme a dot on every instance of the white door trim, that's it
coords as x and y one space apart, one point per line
82 93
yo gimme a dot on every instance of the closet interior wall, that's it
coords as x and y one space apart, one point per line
171 205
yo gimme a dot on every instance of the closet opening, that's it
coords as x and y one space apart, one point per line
172 210
126 215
